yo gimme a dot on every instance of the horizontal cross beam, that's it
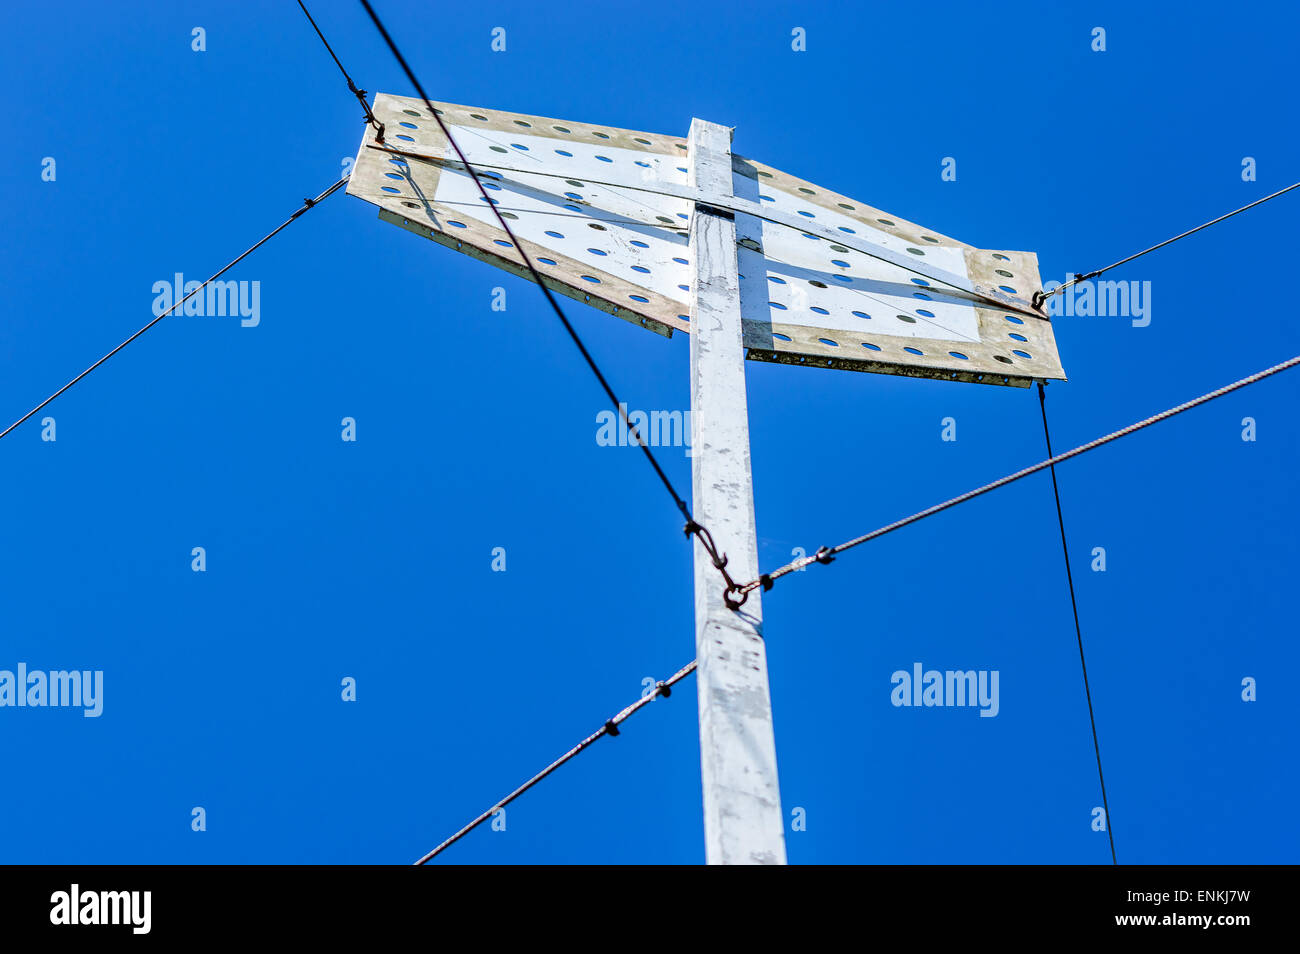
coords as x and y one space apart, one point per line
734 204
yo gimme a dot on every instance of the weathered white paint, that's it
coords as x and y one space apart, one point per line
560 220
743 823
653 182
826 280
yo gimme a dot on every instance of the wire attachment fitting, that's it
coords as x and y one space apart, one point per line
733 589
729 596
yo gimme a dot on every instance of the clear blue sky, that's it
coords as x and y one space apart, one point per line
476 429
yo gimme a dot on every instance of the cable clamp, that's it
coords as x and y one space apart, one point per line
728 596
706 538
824 555
720 562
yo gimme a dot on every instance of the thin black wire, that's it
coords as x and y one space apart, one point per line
1041 296
307 204
609 728
823 555
1078 631
693 527
827 554
360 94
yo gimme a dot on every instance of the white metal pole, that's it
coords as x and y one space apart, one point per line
743 823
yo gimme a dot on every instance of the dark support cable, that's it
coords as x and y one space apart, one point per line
307 204
1078 632
826 554
663 688
1041 296
734 596
360 94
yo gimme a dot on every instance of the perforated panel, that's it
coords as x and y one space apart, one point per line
811 301
604 214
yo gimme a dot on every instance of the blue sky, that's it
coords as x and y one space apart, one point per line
476 429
